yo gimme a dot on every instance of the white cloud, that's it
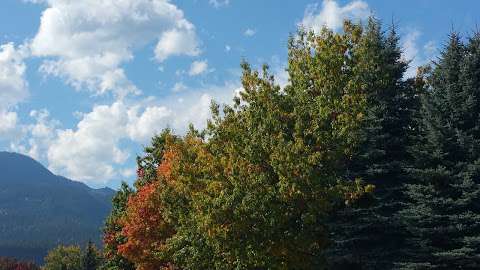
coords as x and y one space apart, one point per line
40 135
87 41
13 87
332 15
92 152
89 152
228 48
143 126
250 32
416 54
176 42
198 67
34 139
410 52
219 3
8 124
179 86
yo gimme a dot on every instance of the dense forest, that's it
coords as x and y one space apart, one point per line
351 165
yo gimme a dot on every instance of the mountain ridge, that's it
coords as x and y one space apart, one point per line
39 210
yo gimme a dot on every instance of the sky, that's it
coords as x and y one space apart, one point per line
85 84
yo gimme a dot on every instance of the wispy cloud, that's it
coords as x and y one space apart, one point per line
198 67
416 54
250 32
219 3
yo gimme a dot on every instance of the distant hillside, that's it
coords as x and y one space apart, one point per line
39 210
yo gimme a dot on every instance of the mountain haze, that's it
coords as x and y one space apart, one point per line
39 210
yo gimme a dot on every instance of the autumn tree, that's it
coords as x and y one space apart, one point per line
115 233
254 190
64 258
145 230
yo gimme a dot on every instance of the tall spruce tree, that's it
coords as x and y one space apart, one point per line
443 213
367 236
112 232
91 259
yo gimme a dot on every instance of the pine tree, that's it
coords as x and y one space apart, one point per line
367 236
443 213
90 257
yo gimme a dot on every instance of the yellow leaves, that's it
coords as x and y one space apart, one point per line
358 193
369 188
360 116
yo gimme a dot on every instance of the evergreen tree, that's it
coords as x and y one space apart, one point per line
367 236
112 236
91 259
443 213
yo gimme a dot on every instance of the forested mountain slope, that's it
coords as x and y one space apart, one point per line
39 210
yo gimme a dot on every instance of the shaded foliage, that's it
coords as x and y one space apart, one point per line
13 264
112 232
368 236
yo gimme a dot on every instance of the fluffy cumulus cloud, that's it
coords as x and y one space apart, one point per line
142 126
13 86
198 67
86 42
332 15
36 136
177 42
92 152
89 152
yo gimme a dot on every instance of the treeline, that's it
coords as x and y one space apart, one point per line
13 264
350 166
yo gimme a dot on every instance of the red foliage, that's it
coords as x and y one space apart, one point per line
111 240
140 173
145 229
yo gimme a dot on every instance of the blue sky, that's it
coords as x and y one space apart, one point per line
85 84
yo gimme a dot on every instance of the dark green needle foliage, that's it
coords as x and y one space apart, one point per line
367 236
112 236
91 258
443 213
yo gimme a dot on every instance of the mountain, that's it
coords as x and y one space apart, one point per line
39 210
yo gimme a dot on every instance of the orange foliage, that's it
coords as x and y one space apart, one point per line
165 168
146 230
